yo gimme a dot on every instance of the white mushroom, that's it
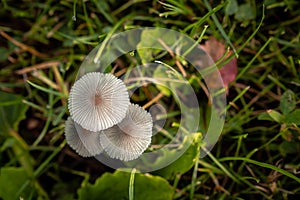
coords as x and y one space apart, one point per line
85 143
98 101
131 137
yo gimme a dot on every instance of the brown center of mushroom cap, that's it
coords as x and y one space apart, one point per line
97 100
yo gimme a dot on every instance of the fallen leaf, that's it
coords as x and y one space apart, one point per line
216 50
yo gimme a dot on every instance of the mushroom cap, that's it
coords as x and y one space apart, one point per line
131 137
85 143
137 122
98 101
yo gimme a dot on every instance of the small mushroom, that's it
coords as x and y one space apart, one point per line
131 137
98 101
84 142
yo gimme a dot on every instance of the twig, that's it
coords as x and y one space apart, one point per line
23 46
177 62
46 80
155 99
38 66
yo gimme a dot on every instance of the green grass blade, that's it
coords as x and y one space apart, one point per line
49 91
262 164
131 184
222 167
219 26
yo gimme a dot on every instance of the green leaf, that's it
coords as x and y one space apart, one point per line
287 102
276 116
116 186
11 180
265 116
271 115
12 111
245 12
184 163
231 8
293 117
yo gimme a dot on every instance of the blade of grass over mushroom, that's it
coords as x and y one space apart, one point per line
131 184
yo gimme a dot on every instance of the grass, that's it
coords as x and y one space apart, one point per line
44 43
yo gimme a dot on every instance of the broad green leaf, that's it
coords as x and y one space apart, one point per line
184 163
12 111
276 116
11 180
265 116
293 117
116 186
245 12
271 115
231 8
287 102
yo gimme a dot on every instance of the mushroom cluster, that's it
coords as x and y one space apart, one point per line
103 119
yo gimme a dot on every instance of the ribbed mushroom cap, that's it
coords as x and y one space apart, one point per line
98 101
131 137
85 143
